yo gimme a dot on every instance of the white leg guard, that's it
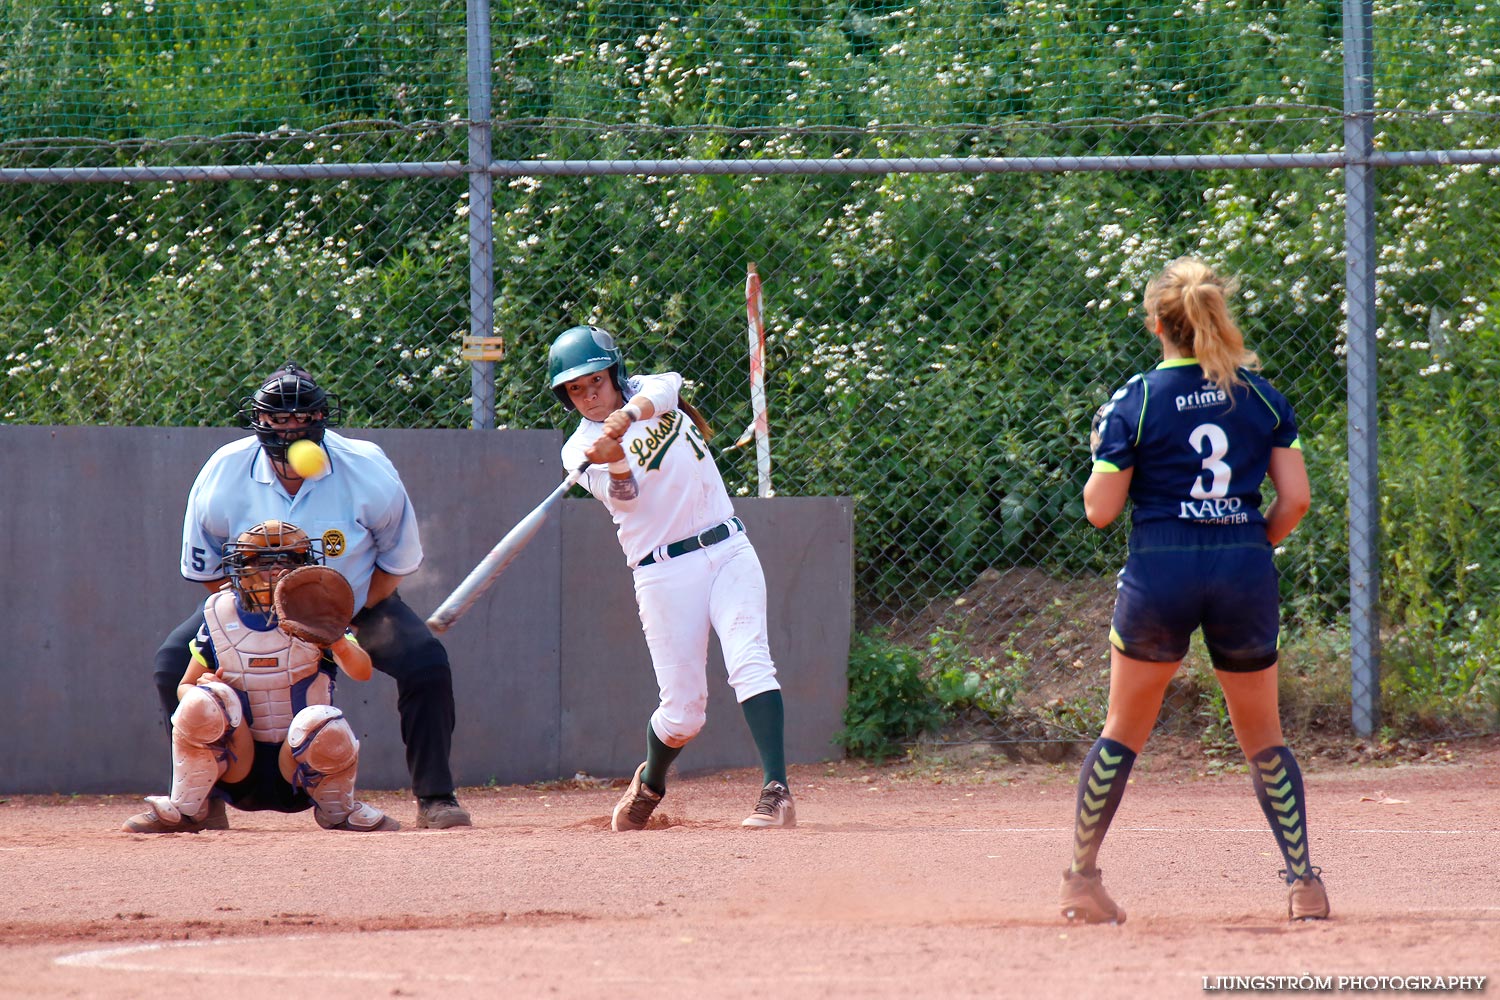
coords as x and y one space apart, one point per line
201 727
327 756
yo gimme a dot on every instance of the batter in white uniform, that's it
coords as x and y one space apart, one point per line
694 567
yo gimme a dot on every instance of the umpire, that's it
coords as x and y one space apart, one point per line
359 509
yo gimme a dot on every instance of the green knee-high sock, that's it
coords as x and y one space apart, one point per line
1101 785
1278 785
767 719
659 757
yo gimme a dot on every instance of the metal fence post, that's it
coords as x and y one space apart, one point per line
1359 273
481 347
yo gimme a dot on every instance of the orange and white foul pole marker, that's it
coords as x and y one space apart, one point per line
758 425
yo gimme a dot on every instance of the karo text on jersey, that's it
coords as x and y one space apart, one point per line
1224 510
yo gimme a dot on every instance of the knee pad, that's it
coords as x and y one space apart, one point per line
322 741
206 712
327 756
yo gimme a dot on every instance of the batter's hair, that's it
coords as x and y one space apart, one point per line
697 418
1191 301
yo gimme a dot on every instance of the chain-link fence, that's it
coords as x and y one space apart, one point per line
953 207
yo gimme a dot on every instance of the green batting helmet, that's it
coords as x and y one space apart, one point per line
580 350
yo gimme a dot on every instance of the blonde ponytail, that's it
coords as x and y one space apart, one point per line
1191 302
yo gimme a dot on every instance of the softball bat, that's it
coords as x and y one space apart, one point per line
456 604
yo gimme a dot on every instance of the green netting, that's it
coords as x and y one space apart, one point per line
159 68
130 69
859 63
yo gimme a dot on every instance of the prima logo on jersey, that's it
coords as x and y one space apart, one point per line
1222 511
1209 395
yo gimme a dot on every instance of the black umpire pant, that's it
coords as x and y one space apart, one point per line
400 646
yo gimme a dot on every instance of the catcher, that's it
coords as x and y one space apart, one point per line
255 723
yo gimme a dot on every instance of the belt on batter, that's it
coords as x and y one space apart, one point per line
702 540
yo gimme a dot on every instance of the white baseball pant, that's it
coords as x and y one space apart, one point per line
723 587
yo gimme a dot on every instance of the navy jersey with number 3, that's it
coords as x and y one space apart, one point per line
1199 457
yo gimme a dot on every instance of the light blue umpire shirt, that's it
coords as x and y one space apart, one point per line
358 508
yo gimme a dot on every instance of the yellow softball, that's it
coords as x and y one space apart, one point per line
307 459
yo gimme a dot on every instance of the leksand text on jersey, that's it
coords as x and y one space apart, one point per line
650 448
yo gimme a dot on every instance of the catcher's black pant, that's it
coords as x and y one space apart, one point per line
400 645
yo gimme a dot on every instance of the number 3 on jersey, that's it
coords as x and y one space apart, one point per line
1211 438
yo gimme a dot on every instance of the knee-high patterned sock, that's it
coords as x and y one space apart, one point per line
1278 785
1101 785
659 757
766 717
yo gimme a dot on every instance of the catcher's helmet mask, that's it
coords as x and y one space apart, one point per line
582 350
290 390
253 558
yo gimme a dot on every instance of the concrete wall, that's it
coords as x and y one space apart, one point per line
550 669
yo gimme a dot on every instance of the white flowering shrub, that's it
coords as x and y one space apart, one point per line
937 341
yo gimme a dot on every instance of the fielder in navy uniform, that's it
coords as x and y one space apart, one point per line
694 567
358 510
1190 443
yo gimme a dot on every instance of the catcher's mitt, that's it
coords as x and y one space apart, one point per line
314 604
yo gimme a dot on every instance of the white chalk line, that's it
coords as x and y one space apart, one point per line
1322 830
1450 909
137 959
120 960
130 958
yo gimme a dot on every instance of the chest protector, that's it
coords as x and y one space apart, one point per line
272 671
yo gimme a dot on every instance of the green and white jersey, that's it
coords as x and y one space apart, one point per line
681 491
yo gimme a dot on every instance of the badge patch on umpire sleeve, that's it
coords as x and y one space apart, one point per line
333 543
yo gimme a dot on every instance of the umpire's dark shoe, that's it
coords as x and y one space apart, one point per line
441 812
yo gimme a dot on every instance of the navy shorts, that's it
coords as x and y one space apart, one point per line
1170 587
264 788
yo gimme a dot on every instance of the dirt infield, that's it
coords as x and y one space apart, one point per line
928 879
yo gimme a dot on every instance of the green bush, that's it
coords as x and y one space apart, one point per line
962 680
898 692
891 698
